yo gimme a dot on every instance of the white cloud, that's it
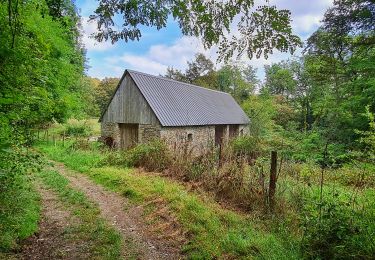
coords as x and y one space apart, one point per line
159 57
145 64
306 17
88 28
305 23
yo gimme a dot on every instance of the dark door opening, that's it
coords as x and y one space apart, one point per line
233 131
128 135
219 134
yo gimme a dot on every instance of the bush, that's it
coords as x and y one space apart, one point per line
78 128
153 156
335 229
360 175
247 145
19 202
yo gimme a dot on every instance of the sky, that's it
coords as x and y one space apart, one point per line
158 50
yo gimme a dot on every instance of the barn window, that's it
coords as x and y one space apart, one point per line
190 137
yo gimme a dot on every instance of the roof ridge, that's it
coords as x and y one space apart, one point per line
180 82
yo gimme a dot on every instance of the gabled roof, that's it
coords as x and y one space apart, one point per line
180 104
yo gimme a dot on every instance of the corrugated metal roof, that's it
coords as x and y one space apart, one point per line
180 104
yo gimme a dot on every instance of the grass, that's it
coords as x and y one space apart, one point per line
19 213
212 231
91 128
348 207
104 241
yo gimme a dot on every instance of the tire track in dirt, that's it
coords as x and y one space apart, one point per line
129 223
52 241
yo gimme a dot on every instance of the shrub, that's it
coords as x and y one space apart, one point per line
334 229
361 175
19 205
153 156
116 158
78 128
247 145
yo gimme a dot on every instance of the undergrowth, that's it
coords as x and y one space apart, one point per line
19 201
212 231
305 224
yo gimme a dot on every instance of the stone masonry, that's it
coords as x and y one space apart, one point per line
196 139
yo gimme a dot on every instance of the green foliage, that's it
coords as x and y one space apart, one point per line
368 137
210 21
77 128
19 212
333 229
104 91
41 68
261 110
247 145
279 79
153 156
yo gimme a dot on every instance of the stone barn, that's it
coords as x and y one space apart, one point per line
145 107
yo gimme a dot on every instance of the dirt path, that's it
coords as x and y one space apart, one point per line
130 223
52 240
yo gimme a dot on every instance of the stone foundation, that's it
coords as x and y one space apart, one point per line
148 132
193 139
112 130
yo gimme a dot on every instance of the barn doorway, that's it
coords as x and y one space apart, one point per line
128 135
233 131
219 134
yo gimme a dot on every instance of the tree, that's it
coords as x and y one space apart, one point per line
259 31
338 59
41 68
234 77
201 66
104 92
279 79
176 75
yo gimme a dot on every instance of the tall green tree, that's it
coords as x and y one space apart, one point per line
41 67
279 79
338 60
104 91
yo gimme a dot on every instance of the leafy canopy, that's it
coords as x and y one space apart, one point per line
257 32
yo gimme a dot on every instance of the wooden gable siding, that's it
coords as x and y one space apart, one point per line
129 106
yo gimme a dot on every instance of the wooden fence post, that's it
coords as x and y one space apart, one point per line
272 187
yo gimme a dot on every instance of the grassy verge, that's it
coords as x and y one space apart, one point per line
19 213
19 201
212 230
103 241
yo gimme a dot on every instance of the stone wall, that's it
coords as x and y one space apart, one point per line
194 139
244 130
112 130
148 133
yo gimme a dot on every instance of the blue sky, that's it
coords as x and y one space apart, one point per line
158 50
